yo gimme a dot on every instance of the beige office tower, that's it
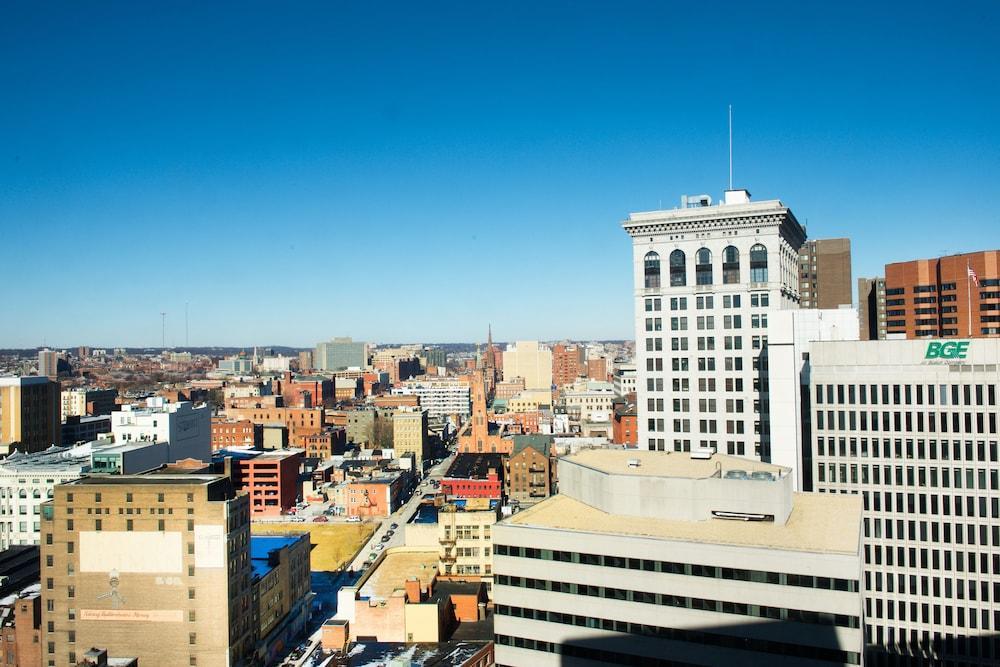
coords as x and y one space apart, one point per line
825 273
153 567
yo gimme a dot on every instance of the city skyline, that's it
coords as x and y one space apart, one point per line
396 154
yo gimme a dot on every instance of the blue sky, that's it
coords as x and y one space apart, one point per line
412 172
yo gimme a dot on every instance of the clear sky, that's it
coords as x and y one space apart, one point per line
414 171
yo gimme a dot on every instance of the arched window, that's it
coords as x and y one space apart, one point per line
730 265
703 267
651 267
758 264
678 269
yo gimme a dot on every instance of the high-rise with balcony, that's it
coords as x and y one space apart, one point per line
706 278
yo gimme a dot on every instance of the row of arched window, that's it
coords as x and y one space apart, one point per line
703 267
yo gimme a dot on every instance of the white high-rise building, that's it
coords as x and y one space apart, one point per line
669 559
911 426
706 280
441 398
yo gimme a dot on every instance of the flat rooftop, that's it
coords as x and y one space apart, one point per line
261 547
475 466
398 566
148 480
818 523
666 464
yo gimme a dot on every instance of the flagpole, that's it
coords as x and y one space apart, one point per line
968 294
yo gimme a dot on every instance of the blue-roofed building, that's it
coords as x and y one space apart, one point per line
281 590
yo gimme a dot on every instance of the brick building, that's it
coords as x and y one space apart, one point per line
938 298
300 422
328 442
377 496
625 428
235 433
21 630
597 369
271 479
528 469
475 476
567 364
825 273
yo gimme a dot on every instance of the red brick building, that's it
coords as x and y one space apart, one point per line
597 369
21 631
625 429
376 497
937 298
304 391
271 479
520 422
234 433
326 443
300 422
474 476
567 364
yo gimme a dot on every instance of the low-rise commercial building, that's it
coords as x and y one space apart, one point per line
235 433
668 559
625 429
529 469
21 629
376 496
474 476
464 533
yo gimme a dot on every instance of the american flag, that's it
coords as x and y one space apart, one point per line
972 274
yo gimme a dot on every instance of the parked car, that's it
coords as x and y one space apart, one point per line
394 526
321 519
385 538
354 519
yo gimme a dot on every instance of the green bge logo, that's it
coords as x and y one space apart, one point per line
953 349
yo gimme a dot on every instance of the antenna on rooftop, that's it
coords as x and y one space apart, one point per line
186 341
163 330
730 146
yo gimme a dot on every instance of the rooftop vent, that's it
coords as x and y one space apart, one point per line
742 516
702 453
634 463
761 476
736 474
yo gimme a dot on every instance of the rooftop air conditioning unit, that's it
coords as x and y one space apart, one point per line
702 453
634 463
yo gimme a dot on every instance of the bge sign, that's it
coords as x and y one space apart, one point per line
953 349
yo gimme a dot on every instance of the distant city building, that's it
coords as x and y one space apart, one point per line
409 435
825 274
509 388
276 364
706 280
945 297
236 365
588 400
340 354
29 414
528 474
568 363
83 402
122 573
530 361
436 356
597 368
474 476
186 430
305 361
871 308
911 426
626 429
623 379
660 558
48 363
235 433
441 397
84 429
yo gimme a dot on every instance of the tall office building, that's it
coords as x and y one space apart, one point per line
912 427
825 273
871 308
29 414
529 360
340 354
154 567
706 279
957 296
715 562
